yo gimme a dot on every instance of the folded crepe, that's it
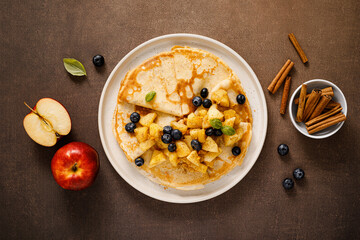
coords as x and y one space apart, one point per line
177 77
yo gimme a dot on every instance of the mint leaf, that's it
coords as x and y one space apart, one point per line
150 96
216 123
74 67
227 130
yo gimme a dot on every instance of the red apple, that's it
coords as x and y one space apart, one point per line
47 122
75 166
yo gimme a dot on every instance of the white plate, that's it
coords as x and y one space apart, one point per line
108 99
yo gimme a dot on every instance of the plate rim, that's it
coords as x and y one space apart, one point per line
195 36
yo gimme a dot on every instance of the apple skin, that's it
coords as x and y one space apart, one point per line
75 166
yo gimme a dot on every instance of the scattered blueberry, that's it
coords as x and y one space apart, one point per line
236 151
166 138
209 131
135 117
172 147
298 173
240 99
98 60
176 134
139 161
196 145
130 127
197 101
204 92
207 103
167 129
283 149
288 183
218 132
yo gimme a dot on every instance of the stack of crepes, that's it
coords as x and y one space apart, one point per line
177 77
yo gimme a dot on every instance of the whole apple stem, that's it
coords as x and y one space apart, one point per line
31 109
43 119
74 168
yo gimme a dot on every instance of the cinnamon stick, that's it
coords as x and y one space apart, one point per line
277 77
311 103
298 48
326 123
301 107
332 104
285 95
324 100
324 116
282 78
326 91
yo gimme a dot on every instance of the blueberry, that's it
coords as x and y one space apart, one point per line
139 161
135 117
167 129
204 92
196 145
288 183
283 149
207 103
240 99
197 101
298 173
172 147
166 138
130 127
218 132
236 151
98 60
176 134
210 131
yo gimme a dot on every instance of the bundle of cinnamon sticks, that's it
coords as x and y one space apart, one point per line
282 75
317 109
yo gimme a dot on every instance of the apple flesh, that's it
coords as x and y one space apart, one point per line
75 166
47 122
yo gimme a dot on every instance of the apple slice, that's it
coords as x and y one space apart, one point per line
47 122
39 131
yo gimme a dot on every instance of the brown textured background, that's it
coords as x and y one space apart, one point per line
36 35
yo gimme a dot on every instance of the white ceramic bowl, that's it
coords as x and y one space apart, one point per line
338 97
